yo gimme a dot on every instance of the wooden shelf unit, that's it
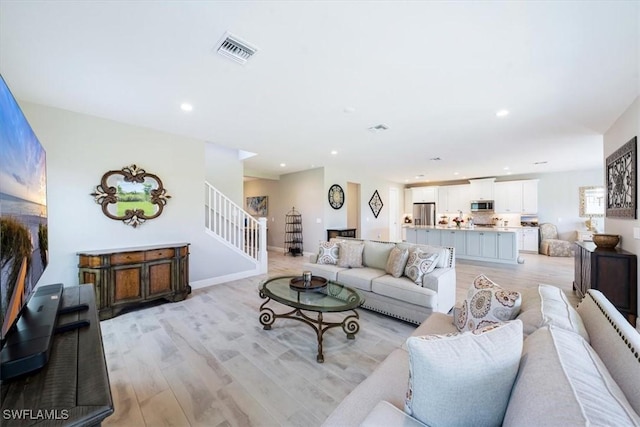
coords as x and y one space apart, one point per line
131 276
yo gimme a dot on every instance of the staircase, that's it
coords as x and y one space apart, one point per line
236 228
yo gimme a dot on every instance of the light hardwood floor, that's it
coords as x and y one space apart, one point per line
206 361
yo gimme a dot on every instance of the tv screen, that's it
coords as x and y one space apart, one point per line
23 210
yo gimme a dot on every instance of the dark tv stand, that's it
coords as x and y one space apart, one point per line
74 380
29 341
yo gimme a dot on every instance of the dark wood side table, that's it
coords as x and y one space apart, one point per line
611 271
341 232
73 387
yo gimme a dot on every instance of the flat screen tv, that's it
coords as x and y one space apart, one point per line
23 210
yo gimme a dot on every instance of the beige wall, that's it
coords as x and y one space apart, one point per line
80 149
626 127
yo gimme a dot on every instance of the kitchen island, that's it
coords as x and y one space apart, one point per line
491 244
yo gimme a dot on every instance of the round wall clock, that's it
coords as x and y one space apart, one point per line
336 196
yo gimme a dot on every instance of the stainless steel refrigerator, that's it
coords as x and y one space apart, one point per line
424 214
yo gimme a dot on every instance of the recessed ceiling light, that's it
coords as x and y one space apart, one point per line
419 176
502 113
283 165
506 168
349 110
456 173
334 152
186 107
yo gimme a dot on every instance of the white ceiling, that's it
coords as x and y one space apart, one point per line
434 72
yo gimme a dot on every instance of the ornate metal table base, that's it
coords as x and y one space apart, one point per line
349 324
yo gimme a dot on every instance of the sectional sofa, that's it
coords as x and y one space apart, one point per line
409 299
573 367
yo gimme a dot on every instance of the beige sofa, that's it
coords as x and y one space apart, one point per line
563 379
399 297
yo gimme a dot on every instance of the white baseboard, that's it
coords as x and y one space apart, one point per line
223 279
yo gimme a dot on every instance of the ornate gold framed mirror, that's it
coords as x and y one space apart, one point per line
131 195
592 201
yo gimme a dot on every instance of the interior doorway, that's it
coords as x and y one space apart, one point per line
353 207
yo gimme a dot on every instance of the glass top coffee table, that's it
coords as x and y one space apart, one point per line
332 298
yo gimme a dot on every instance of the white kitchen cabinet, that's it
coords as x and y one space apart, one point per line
411 235
481 189
428 236
424 194
516 196
507 246
456 239
482 244
453 198
408 201
528 240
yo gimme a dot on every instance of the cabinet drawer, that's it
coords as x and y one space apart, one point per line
127 258
89 262
158 254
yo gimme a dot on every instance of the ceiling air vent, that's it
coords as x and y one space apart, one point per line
234 48
378 128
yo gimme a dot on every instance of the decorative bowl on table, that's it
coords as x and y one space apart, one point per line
606 241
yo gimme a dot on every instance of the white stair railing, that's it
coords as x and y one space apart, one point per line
236 227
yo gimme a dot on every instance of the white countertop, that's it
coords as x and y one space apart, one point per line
463 228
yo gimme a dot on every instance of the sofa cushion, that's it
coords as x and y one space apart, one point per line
486 304
387 382
548 305
463 379
385 414
403 289
445 258
397 261
564 383
419 263
350 254
328 271
359 278
328 253
615 340
376 254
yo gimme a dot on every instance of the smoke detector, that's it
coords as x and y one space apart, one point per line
235 49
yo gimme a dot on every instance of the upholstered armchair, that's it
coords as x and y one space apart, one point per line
550 244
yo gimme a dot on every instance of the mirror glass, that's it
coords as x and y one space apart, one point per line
592 201
131 195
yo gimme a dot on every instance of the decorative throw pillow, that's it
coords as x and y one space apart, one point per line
419 264
397 261
463 379
486 304
328 253
350 254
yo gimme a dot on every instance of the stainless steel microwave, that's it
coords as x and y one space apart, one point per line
482 206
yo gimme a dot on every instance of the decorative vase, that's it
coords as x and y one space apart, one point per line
457 225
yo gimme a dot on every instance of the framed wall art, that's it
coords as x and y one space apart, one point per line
621 179
258 205
375 203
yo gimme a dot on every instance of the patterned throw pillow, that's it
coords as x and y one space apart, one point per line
328 253
419 264
350 254
478 368
397 261
487 304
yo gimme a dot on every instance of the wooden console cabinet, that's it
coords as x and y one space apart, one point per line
611 271
130 276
